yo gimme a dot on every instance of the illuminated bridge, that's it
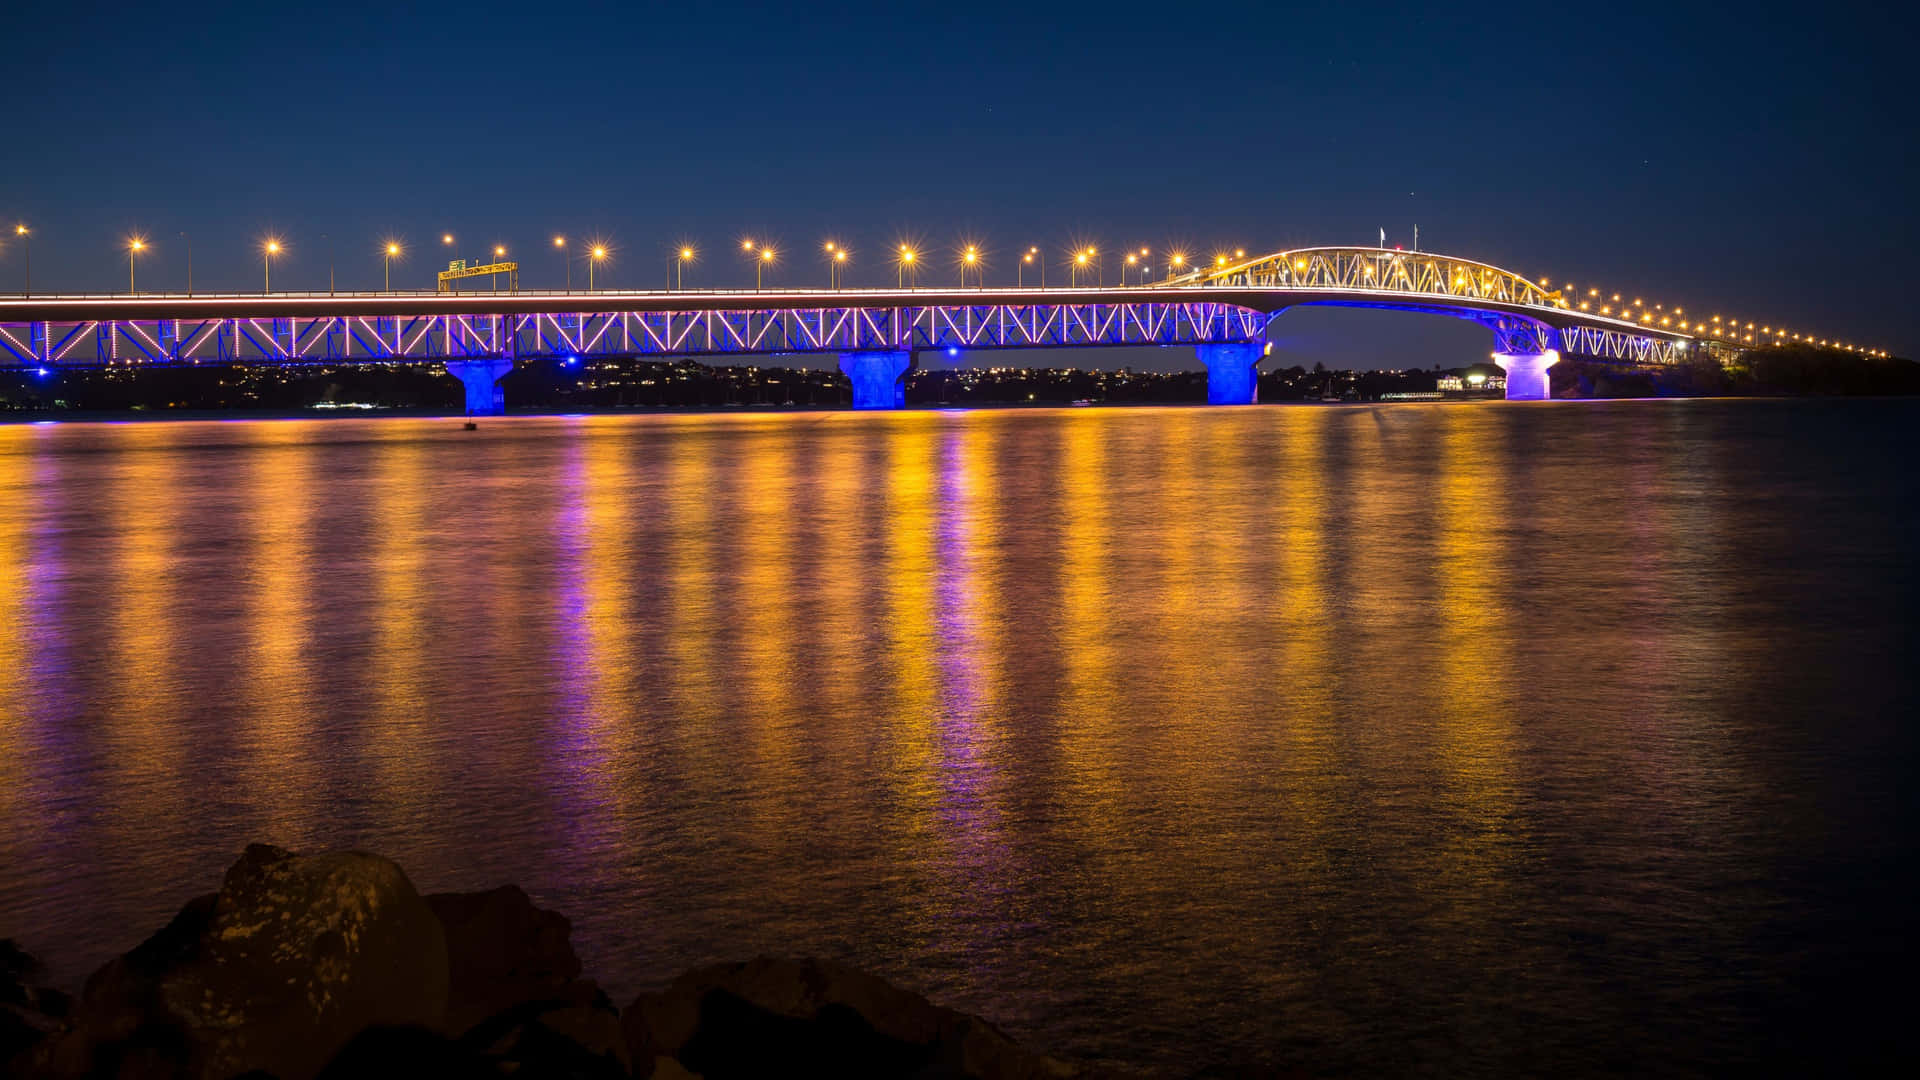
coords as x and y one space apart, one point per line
1222 311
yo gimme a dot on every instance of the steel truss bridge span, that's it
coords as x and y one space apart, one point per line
1224 312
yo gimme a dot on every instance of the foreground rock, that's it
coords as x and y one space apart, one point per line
29 1011
770 1017
294 956
331 966
517 996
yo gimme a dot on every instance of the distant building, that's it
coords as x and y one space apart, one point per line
1479 380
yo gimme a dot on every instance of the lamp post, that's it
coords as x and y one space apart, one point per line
766 260
135 246
392 249
560 245
832 250
839 264
599 252
1079 263
1175 263
26 240
970 260
493 279
685 257
1026 260
267 253
903 266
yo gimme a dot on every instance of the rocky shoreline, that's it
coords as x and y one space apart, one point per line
331 965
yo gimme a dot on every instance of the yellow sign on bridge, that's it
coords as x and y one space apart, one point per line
458 269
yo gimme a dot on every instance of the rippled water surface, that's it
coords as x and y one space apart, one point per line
1563 738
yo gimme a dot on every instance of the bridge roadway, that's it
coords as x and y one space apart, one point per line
1223 313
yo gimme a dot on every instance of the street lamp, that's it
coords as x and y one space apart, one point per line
1079 263
135 246
970 260
1146 265
493 279
903 266
1132 260
392 250
267 252
1176 263
685 257
560 244
599 252
835 255
26 240
766 260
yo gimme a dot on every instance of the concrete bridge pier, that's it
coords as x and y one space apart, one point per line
879 378
1527 374
482 380
1233 372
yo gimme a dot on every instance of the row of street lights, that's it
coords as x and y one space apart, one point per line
970 262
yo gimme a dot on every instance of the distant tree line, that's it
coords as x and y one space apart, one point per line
1777 371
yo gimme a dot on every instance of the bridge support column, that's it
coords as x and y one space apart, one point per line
879 378
1233 372
482 380
1527 374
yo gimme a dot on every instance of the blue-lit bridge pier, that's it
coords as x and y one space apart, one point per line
1222 312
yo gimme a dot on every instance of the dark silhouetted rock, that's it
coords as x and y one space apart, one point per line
813 1017
577 1039
516 992
294 956
502 952
406 1053
29 1011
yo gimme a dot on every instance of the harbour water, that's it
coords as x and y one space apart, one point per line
1488 738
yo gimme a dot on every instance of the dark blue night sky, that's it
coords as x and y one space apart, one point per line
1734 160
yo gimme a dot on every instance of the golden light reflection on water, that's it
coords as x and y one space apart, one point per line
691 684
908 576
400 737
1303 616
279 678
765 502
18 517
148 693
1472 565
1087 618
